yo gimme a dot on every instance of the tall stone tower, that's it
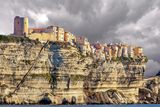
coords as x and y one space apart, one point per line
21 26
25 25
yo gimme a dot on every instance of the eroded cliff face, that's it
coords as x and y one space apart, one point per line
149 93
63 75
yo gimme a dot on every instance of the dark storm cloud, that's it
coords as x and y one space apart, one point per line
129 21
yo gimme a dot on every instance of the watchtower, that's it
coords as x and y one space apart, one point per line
21 26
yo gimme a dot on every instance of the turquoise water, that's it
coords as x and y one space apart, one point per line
133 105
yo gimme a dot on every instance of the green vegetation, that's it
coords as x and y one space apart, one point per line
145 59
15 39
76 78
9 38
130 59
126 58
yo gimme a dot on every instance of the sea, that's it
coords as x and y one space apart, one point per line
122 105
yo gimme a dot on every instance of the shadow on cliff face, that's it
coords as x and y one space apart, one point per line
45 99
56 60
65 101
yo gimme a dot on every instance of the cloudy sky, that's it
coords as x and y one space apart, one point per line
136 22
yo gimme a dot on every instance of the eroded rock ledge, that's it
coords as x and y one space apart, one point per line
62 75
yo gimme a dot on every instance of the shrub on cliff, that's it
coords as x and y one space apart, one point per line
145 59
15 39
9 38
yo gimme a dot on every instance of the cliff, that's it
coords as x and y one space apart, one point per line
59 73
149 93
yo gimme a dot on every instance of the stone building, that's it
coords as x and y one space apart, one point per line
42 34
51 33
80 40
60 34
83 44
131 51
125 51
99 51
92 49
20 26
51 29
87 45
42 37
108 52
114 51
98 46
138 51
69 37
100 55
57 31
36 30
119 50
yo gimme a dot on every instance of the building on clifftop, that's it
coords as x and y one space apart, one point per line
60 34
131 51
138 51
20 26
69 37
83 44
125 51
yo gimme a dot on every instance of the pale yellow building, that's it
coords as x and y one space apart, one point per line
51 29
51 33
60 34
42 37
25 28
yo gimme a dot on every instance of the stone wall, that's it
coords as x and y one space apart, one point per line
43 37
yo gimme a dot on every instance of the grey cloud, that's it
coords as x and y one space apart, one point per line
139 8
151 71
